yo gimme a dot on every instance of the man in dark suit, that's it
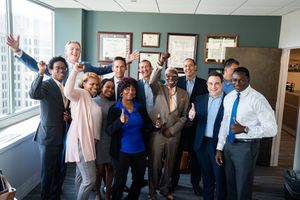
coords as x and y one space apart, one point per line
52 126
194 86
207 113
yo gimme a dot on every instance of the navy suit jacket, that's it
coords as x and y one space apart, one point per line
200 87
32 64
201 103
141 96
52 127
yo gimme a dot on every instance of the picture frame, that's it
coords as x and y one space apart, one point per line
181 46
112 44
151 56
219 70
215 47
150 39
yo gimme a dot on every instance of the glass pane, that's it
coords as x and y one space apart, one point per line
4 88
34 25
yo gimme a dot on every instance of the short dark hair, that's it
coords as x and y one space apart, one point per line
230 61
215 74
145 60
56 59
127 82
120 58
191 59
242 70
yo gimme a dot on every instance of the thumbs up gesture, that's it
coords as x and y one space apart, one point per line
123 117
192 112
158 122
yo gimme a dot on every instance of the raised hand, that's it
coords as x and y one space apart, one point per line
133 56
13 43
78 67
163 58
42 67
123 117
192 112
158 123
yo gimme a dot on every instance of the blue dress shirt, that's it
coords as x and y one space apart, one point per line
227 87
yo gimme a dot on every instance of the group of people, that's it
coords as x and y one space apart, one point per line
108 126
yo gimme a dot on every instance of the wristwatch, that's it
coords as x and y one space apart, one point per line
246 129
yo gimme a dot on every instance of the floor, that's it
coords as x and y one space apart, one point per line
268 181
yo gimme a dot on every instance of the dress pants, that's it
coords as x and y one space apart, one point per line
186 141
213 175
161 148
239 162
137 163
50 171
85 178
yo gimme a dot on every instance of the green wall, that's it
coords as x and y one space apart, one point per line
253 31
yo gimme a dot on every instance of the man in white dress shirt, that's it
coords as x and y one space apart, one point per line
248 117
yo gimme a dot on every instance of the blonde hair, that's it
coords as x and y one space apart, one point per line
87 76
71 42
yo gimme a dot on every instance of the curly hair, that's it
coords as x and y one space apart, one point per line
127 82
56 59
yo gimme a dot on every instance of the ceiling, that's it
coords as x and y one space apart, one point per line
211 7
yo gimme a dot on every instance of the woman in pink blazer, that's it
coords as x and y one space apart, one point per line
84 129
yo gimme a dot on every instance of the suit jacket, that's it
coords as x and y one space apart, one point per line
201 104
200 87
174 120
141 95
52 127
32 64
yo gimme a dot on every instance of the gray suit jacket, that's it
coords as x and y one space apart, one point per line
52 127
173 120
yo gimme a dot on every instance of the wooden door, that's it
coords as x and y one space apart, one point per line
264 67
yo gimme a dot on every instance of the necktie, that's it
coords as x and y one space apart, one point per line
65 100
117 90
231 135
171 99
189 87
149 97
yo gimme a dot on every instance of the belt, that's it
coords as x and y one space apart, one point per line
246 140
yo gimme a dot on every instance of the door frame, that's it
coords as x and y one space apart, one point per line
285 56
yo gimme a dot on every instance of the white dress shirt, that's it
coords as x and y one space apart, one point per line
254 111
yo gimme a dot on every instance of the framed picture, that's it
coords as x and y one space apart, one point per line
150 39
181 46
151 56
112 44
219 70
215 47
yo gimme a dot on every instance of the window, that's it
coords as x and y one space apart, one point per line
34 24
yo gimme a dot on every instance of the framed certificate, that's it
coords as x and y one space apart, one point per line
112 44
152 57
150 39
181 46
215 47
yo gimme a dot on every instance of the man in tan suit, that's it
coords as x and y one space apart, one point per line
171 105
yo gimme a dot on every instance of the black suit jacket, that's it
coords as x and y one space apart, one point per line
200 87
141 96
201 104
52 127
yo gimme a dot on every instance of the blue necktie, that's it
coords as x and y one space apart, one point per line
231 135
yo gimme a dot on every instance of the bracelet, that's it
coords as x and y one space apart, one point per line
17 50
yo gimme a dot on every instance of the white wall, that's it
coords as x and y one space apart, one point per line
290 30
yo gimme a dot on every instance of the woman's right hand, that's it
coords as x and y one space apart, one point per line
123 117
78 67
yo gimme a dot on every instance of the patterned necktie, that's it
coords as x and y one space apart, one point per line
231 135
65 100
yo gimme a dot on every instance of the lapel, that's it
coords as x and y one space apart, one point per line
56 91
195 86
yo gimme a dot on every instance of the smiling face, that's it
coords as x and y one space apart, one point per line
189 68
145 69
119 68
129 93
240 81
59 71
171 78
72 52
214 86
91 85
108 89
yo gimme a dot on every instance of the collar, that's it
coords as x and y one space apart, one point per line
58 83
192 79
120 105
245 92
220 96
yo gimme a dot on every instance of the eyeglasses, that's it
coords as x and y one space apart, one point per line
63 68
